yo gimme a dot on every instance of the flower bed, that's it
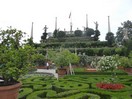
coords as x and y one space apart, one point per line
111 86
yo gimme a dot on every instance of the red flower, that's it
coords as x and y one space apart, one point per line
109 86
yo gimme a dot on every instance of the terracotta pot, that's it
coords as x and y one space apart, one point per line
62 71
10 92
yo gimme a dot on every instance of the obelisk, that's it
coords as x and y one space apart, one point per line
32 31
109 30
56 23
86 21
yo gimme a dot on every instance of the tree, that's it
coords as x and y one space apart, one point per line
128 45
96 35
16 56
78 33
119 34
43 37
30 42
110 38
89 32
55 33
61 35
64 58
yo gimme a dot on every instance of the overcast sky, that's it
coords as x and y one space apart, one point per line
21 13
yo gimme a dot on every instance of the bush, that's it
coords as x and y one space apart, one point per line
108 63
107 51
84 96
118 51
125 62
41 94
73 44
78 33
67 93
24 92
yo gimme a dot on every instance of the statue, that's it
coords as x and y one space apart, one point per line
125 32
96 25
45 29
45 35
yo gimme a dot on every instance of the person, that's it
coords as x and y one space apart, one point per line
47 64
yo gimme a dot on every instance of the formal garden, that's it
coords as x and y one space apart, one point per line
82 85
87 68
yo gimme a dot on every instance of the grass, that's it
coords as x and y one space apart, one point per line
79 86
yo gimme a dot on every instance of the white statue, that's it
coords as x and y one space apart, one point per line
125 33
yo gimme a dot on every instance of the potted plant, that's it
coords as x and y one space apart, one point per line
63 61
16 59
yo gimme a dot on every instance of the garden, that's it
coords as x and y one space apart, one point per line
79 86
87 68
108 82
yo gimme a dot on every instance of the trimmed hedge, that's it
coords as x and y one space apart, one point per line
83 96
75 86
70 39
24 92
41 94
98 73
77 44
66 93
89 51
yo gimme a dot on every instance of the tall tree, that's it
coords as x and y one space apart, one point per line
110 38
55 33
119 34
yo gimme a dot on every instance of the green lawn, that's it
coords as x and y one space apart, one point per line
79 86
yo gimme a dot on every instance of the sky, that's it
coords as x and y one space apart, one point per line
21 13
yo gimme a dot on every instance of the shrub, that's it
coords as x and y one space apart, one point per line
24 92
78 33
124 61
41 94
84 96
67 93
85 59
107 51
118 51
108 63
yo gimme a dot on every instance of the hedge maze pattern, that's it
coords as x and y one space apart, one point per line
72 87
